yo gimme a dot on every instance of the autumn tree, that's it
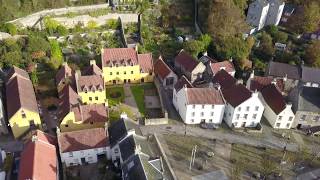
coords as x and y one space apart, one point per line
266 47
312 55
306 18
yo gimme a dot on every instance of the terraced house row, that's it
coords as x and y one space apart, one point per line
287 96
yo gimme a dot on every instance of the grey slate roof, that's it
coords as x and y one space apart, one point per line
119 129
310 74
277 69
308 99
140 168
132 144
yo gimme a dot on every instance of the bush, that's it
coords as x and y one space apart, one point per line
112 24
56 55
62 31
92 24
10 28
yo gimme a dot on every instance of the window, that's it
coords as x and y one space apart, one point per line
257 108
90 98
193 106
247 108
192 120
280 118
288 125
193 114
210 120
117 73
254 116
202 114
23 115
70 154
303 118
202 106
66 125
239 108
212 106
116 150
229 114
212 113
111 73
124 72
278 125
91 122
237 116
235 124
290 118
316 118
96 98
245 116
131 72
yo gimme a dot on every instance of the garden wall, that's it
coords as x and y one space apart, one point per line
30 20
101 20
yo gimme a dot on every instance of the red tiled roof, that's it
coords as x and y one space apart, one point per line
259 82
90 81
226 65
83 140
64 72
273 98
90 113
68 98
118 54
224 79
39 159
236 94
186 61
20 94
145 62
183 81
17 71
203 96
91 70
161 69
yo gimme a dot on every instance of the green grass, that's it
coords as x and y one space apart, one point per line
114 101
114 115
138 94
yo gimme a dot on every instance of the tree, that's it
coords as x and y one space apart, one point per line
277 35
10 28
50 25
312 55
266 46
36 44
62 31
34 77
307 18
56 55
12 58
225 19
195 47
92 24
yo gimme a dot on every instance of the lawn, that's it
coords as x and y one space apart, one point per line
115 95
138 93
114 114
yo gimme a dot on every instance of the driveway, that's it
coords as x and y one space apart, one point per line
223 135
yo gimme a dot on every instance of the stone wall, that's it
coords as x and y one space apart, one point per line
30 20
101 20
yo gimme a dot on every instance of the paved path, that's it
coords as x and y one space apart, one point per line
229 136
129 100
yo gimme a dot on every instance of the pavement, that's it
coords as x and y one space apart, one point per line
228 136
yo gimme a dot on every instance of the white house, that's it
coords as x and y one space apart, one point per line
198 105
165 75
243 108
277 112
84 146
264 12
187 65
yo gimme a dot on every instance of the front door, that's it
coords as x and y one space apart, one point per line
125 81
114 82
142 80
83 161
243 124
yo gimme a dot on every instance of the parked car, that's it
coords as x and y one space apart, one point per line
209 126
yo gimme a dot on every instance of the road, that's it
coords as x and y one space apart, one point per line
229 136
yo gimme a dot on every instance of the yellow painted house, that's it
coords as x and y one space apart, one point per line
22 107
125 65
74 115
90 85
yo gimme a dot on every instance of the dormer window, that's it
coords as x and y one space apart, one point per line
23 114
85 89
93 89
